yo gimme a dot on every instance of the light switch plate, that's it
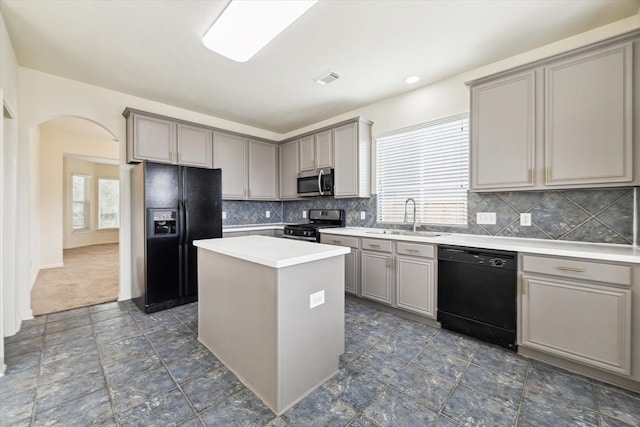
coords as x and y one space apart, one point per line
304 214
267 214
486 217
363 215
525 219
224 215
316 299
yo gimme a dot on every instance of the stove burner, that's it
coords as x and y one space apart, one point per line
318 218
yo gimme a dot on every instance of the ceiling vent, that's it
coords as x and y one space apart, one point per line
327 78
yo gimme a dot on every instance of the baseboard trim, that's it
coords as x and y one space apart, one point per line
48 266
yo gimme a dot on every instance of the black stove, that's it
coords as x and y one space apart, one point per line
318 218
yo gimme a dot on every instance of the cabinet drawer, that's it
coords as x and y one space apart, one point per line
329 239
576 269
376 245
415 249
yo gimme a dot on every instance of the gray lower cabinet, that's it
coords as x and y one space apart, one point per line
562 122
416 278
376 276
351 260
577 310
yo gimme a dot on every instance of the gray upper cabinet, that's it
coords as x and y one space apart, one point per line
563 122
150 138
229 154
588 118
503 133
195 146
352 157
289 161
263 170
316 151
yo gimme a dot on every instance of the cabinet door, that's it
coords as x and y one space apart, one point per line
324 149
289 170
229 154
307 153
351 272
415 283
346 161
585 323
263 179
154 139
503 133
588 118
376 276
195 146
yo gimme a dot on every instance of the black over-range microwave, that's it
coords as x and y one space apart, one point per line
318 182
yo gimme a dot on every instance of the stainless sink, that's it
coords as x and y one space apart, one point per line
407 233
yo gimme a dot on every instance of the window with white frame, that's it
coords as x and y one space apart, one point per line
108 203
80 201
429 163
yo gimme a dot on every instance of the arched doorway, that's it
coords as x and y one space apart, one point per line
78 202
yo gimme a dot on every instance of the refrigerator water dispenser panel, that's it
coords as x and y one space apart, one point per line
164 222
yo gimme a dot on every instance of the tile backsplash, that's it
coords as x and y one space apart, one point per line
594 215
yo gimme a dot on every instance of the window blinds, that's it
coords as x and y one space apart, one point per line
430 163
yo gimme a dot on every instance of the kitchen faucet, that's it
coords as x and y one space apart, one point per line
414 212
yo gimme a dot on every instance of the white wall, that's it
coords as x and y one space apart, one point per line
54 144
92 236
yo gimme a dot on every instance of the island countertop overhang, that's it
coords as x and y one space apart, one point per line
271 251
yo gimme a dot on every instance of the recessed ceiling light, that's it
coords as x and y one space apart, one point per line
412 79
245 27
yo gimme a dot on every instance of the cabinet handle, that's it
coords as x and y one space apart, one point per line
371 245
178 157
171 156
415 251
546 175
397 263
388 263
337 242
533 175
577 270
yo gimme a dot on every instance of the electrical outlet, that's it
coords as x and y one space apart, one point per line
304 214
486 217
267 214
316 299
525 219
224 215
363 215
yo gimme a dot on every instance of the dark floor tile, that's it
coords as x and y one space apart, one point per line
211 388
18 382
157 321
454 345
179 349
242 409
484 381
194 365
25 334
425 386
114 324
469 408
356 342
57 393
141 388
25 346
277 422
106 337
393 408
108 306
89 409
175 334
87 363
362 421
619 404
68 335
380 364
124 350
100 316
502 361
354 386
36 321
170 409
540 408
400 346
66 324
68 314
16 407
319 408
416 331
118 372
442 363
27 362
69 349
193 422
607 421
444 421
562 386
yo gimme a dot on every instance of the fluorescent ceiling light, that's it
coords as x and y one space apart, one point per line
412 79
245 27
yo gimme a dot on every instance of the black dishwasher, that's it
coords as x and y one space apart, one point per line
477 293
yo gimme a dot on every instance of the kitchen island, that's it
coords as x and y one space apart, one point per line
272 310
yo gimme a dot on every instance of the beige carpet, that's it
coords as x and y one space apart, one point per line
90 276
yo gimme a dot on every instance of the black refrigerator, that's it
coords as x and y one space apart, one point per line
171 207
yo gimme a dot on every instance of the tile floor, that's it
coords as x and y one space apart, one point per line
113 365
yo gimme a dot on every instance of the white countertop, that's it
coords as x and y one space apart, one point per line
253 227
271 251
596 251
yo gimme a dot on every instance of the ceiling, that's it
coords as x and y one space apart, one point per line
153 49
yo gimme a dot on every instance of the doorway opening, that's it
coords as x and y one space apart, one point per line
79 216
